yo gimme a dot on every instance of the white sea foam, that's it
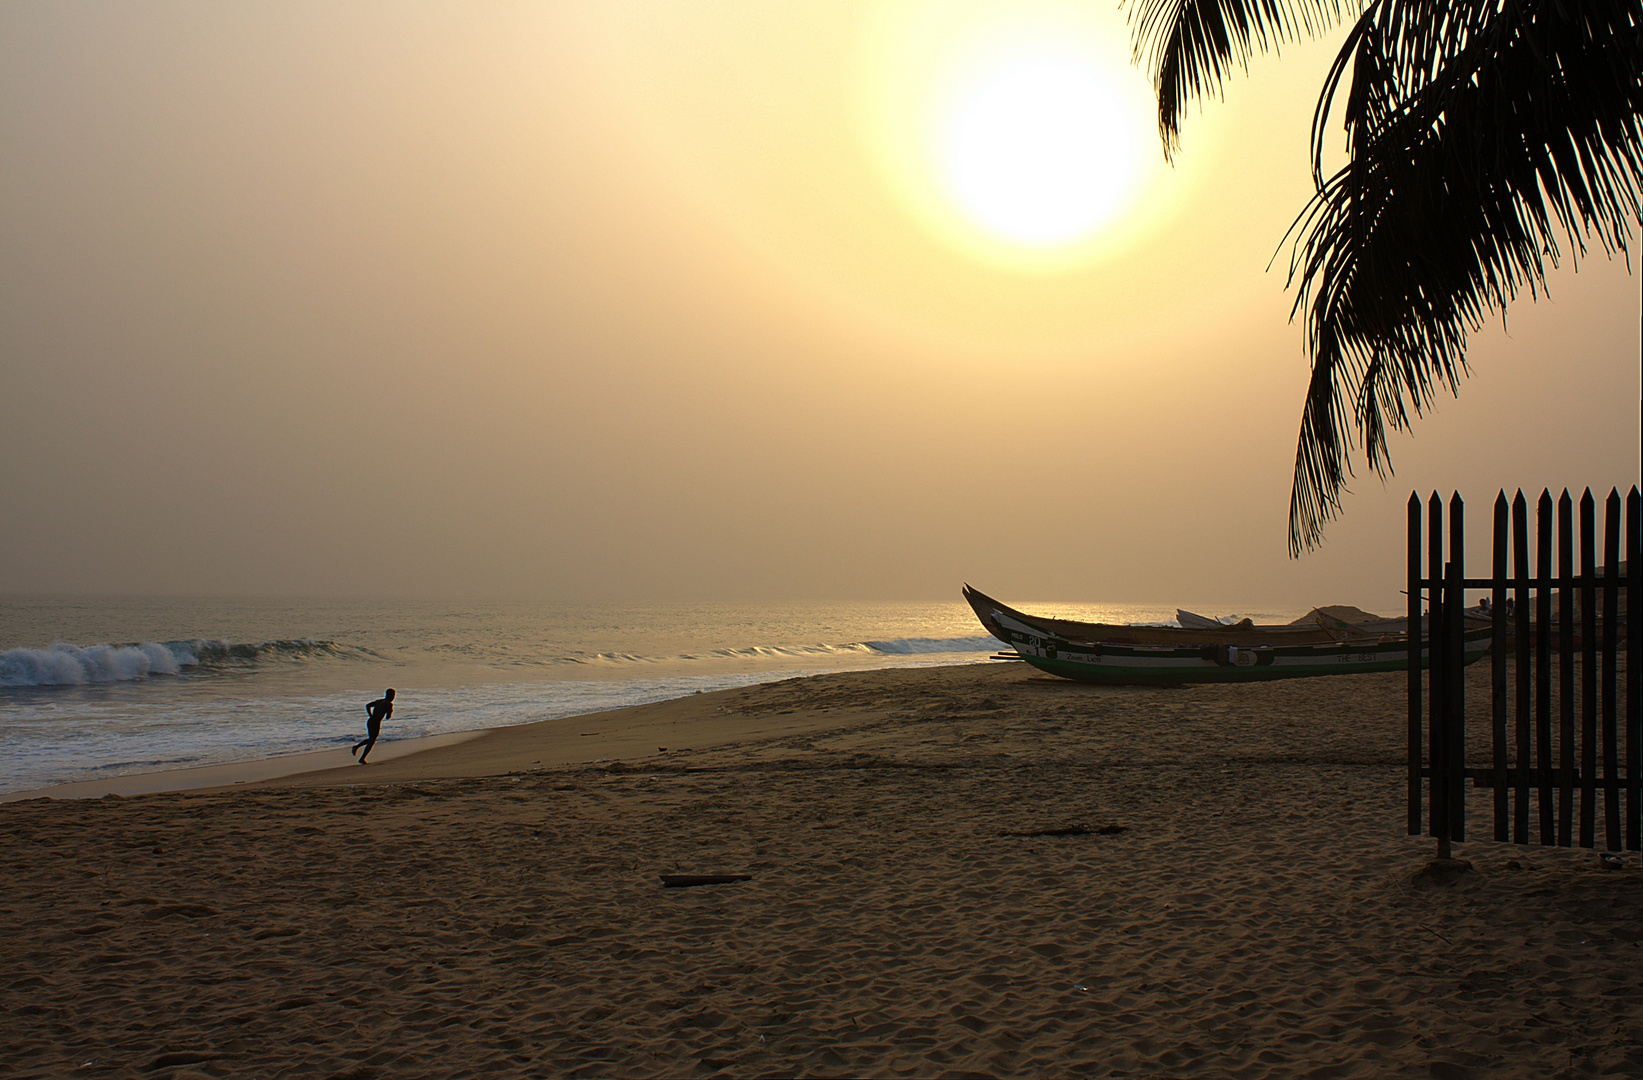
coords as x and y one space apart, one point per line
922 645
77 665
74 665
64 664
910 646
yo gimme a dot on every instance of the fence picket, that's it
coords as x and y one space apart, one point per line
1611 651
1497 669
1588 673
1414 608
1454 649
1437 801
1543 666
1566 670
1634 696
1520 611
1602 750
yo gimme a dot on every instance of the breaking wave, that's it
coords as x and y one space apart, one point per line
77 665
921 646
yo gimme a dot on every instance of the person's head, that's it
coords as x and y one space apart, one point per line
389 693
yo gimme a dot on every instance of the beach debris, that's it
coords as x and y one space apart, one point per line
172 1059
1441 872
685 881
1069 830
186 911
1611 862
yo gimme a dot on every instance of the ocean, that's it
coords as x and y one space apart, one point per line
92 688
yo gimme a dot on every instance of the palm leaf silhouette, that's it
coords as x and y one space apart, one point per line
1480 134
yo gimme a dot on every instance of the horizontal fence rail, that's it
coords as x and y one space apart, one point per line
1561 639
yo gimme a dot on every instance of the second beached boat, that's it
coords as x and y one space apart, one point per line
1243 652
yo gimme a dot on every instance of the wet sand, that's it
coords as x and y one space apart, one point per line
973 871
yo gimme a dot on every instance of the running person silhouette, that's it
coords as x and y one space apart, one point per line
375 713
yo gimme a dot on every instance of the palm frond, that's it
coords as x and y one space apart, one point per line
1480 134
1190 46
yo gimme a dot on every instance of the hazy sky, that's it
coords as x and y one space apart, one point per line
730 301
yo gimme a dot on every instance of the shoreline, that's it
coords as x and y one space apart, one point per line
694 721
228 774
972 871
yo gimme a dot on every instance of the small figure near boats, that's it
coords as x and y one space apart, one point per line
375 713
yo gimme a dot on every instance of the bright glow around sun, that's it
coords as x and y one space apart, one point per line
1016 131
1037 149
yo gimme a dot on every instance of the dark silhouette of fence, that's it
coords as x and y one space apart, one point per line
1566 629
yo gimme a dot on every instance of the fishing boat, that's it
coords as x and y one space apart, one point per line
1239 652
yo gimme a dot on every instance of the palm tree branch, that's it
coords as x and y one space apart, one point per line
1479 133
1191 46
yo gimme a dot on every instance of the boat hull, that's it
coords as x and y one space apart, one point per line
1197 661
1179 671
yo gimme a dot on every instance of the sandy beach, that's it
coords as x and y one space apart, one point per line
963 871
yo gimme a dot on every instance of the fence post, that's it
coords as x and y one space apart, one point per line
1543 665
1497 665
1454 604
1611 615
1525 755
1414 595
1634 683
1454 697
1566 671
1437 743
1588 673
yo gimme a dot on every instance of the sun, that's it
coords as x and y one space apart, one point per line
1019 133
1037 149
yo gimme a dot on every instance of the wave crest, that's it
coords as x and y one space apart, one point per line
919 646
223 652
71 665
76 665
